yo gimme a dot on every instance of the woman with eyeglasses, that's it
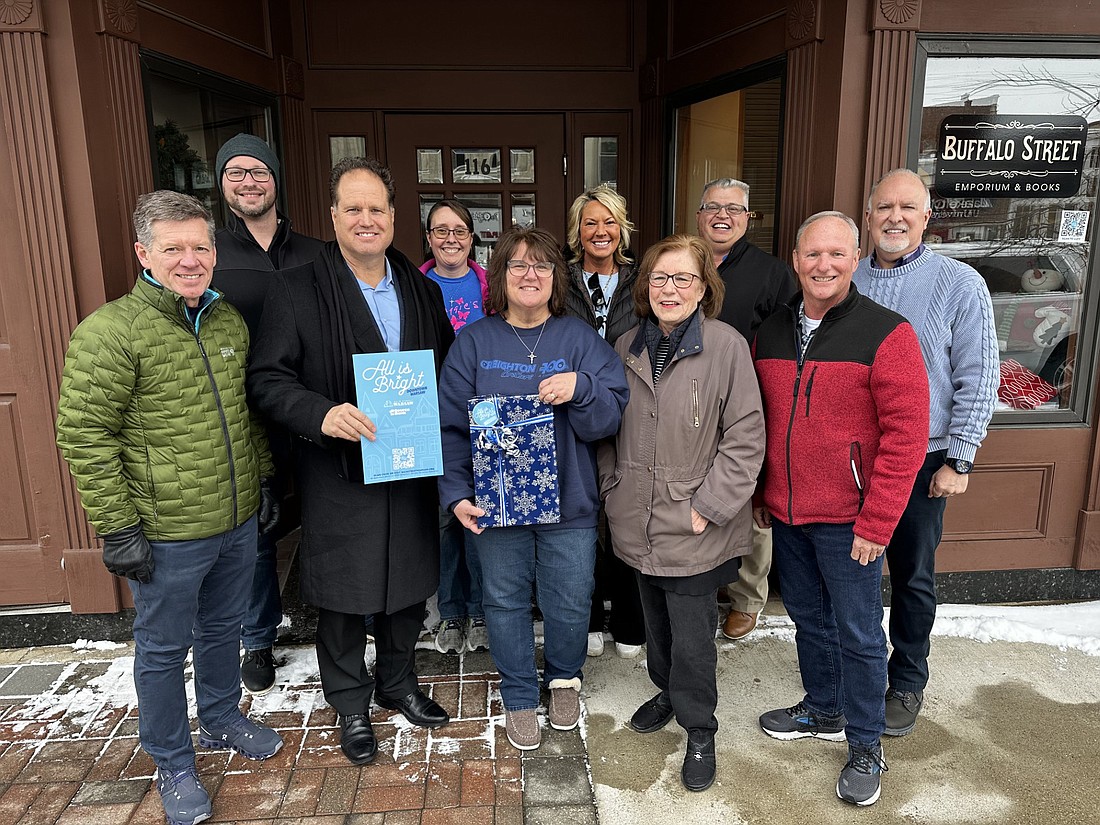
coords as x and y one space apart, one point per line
601 280
677 482
526 346
450 233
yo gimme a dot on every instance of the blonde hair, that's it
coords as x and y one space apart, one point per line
615 204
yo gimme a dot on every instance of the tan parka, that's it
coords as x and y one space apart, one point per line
696 439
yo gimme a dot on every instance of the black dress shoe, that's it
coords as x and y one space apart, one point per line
652 715
357 738
418 709
699 763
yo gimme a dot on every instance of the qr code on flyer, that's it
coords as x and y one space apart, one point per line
404 458
1074 226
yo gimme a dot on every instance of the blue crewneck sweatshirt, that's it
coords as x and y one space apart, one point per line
948 304
489 359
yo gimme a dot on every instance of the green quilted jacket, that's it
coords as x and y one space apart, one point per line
153 419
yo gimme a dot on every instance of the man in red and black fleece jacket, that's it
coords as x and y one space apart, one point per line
845 407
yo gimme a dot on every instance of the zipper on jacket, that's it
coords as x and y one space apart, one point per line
810 386
855 458
225 424
695 401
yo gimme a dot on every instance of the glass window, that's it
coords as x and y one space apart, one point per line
523 209
1034 248
522 165
601 161
475 165
351 146
734 135
192 114
429 166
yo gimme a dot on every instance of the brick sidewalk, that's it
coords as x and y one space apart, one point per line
69 752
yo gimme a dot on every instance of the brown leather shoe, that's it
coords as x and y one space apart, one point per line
738 625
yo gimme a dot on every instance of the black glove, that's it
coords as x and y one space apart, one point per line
127 553
269 506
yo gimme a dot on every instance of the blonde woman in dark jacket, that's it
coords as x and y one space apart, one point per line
678 481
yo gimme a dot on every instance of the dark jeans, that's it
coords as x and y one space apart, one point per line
265 605
194 599
615 583
836 605
911 556
341 644
682 656
459 571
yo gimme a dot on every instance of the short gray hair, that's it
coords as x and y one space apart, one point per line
902 171
724 183
166 205
817 216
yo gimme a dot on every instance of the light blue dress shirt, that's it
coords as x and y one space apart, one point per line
383 303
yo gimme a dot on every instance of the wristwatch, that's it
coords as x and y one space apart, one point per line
959 465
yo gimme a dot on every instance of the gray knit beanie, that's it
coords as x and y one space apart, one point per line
251 146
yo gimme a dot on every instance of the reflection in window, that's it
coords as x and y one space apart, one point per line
190 122
522 165
476 165
523 209
346 147
601 161
429 166
1034 253
487 214
735 135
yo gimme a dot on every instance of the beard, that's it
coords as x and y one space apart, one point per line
251 210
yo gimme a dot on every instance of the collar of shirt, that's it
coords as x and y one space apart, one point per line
904 259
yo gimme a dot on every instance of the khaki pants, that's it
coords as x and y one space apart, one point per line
749 593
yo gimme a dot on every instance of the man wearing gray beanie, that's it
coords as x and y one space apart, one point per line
255 243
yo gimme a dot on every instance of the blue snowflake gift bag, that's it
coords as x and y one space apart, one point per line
515 460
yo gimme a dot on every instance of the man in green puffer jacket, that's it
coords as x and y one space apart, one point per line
169 464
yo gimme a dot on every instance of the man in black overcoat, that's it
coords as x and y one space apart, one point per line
367 549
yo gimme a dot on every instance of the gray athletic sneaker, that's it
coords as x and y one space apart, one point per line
450 636
902 707
477 634
243 736
859 781
798 722
184 798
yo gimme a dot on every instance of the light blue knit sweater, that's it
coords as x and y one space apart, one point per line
948 304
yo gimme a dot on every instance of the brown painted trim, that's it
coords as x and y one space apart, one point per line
798 172
1087 551
22 16
804 23
118 18
894 53
264 26
895 15
296 163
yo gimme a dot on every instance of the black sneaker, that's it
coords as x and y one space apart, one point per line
258 671
902 707
799 722
859 781
699 762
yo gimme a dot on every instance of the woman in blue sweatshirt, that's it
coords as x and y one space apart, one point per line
526 346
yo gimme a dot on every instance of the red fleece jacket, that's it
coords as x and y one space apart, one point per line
847 430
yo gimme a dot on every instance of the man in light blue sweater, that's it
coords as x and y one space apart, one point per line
948 304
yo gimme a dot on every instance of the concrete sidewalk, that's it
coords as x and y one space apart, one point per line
1010 734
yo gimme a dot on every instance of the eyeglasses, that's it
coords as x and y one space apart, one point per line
734 209
680 279
237 174
543 269
599 302
441 232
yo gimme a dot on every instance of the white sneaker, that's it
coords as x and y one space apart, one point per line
627 651
595 644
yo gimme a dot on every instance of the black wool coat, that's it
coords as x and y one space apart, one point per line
366 548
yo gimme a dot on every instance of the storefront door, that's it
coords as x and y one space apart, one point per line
508 169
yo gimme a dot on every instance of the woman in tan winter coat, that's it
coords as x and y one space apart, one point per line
678 482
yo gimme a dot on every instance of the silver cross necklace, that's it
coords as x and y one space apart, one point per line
530 350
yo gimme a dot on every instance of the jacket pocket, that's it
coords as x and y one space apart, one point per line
809 389
681 492
610 483
695 402
855 461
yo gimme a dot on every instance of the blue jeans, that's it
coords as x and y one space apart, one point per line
911 555
459 571
265 604
836 605
196 597
558 564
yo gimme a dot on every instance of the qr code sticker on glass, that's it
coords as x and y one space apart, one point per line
404 458
1074 226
